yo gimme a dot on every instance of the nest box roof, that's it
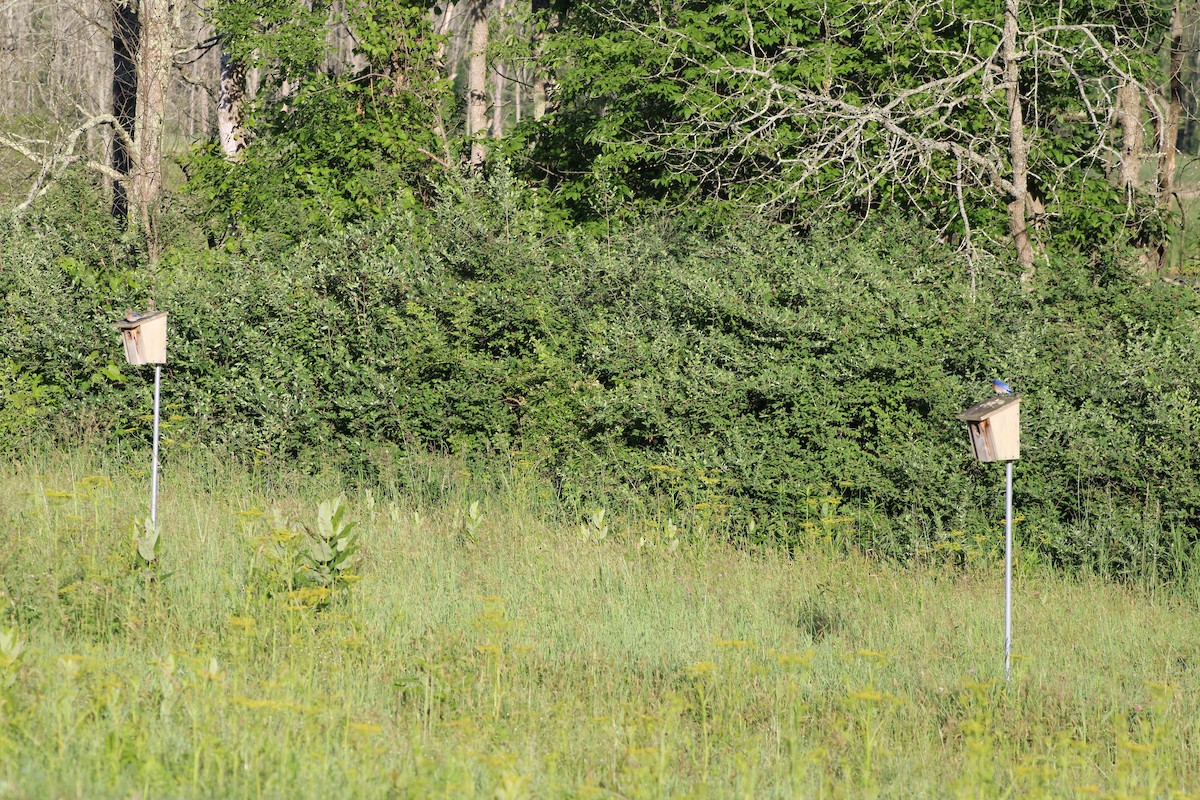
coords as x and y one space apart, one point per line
988 408
130 324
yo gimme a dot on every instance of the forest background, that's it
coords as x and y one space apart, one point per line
742 262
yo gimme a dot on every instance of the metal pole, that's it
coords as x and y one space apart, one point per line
154 470
1008 572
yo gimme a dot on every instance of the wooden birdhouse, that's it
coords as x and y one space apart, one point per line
995 427
145 337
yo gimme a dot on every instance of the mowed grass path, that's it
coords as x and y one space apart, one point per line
505 656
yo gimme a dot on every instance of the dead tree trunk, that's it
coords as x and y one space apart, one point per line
1018 148
1129 118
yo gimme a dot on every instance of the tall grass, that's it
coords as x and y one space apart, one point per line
504 652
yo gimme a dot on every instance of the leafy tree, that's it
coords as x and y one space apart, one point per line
322 147
285 38
979 116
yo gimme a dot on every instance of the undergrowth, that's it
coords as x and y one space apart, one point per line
775 381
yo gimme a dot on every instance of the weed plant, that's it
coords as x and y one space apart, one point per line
536 658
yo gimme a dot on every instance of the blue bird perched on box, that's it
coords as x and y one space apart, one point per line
1000 387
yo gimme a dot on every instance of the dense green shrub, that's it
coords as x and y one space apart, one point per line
743 372
324 148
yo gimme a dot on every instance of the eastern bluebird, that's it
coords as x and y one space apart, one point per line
131 315
1000 387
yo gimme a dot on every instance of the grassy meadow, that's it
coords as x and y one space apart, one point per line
481 643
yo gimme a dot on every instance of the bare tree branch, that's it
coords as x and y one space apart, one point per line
954 119
53 165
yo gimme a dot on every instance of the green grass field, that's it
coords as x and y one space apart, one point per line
478 648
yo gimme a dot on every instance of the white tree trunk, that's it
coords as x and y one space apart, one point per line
1129 118
518 99
543 81
230 105
477 101
498 88
498 102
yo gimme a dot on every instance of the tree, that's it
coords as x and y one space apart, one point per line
1171 108
477 100
155 48
109 76
126 33
328 138
547 21
498 84
231 106
980 118
1018 149
55 77
1129 110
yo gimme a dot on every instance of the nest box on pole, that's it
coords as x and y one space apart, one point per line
145 340
145 337
995 427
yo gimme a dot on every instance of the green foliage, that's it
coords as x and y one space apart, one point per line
59 301
812 109
12 649
307 566
28 403
331 547
468 523
326 149
772 387
147 542
594 528
285 37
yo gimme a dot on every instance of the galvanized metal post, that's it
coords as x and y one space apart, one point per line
1008 572
154 470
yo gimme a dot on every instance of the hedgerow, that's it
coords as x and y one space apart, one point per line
746 370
